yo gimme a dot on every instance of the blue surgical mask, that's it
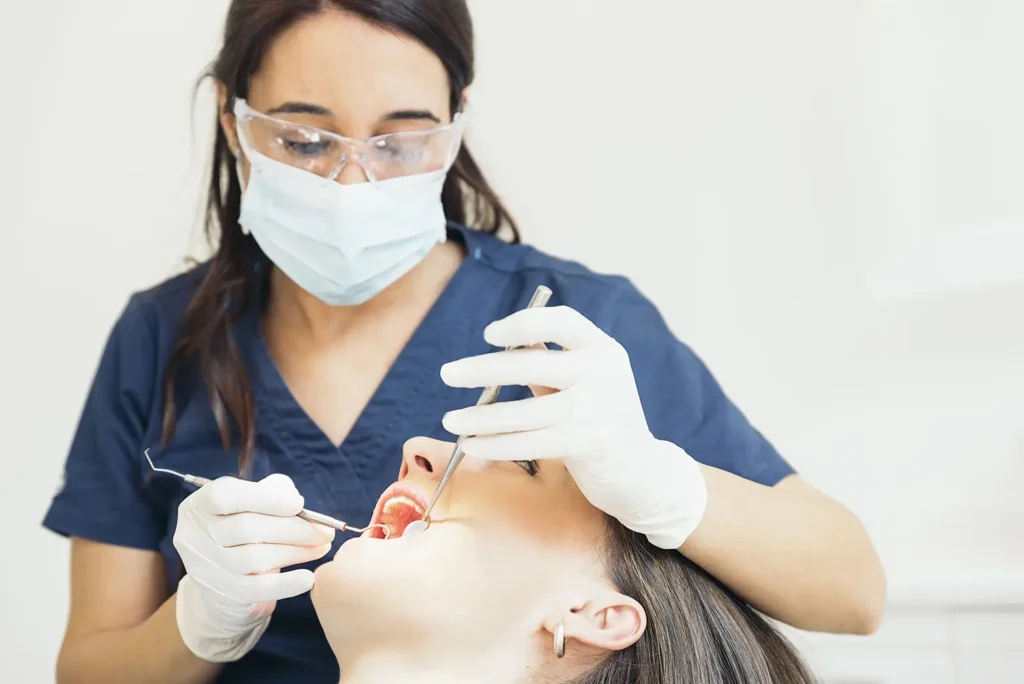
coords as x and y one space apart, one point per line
341 243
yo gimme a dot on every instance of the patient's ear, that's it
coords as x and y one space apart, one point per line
608 621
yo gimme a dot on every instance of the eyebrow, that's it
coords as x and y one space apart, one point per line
319 110
412 115
300 108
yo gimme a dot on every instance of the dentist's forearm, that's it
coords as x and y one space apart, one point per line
150 652
791 552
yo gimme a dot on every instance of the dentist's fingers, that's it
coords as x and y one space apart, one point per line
540 390
558 324
255 559
273 495
523 415
256 528
547 368
274 586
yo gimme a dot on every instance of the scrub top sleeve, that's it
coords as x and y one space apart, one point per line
683 402
101 497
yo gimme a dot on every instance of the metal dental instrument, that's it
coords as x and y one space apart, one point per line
540 298
310 516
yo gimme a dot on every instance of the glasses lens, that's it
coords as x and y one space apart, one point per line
300 146
407 154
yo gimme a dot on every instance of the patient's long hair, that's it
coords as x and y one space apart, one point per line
698 632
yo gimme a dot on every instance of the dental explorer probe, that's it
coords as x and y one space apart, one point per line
540 298
305 514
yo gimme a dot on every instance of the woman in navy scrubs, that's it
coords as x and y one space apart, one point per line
356 256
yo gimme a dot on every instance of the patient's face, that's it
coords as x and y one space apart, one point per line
507 542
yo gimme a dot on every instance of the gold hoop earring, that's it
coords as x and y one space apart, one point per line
560 640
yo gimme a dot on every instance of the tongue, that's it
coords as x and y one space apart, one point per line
398 516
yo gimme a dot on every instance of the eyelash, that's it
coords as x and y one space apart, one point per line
529 466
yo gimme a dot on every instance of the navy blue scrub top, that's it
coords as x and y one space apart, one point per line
108 497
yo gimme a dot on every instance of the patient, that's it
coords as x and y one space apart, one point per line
514 559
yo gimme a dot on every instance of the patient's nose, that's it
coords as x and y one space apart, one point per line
425 459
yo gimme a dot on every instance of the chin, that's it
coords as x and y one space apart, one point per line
355 583
374 589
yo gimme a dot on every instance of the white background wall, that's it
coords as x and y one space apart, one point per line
823 197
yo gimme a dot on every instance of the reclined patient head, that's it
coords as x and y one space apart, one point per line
515 553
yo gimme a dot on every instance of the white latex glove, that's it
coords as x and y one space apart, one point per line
234 537
594 423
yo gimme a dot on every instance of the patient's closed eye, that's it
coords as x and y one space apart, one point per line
528 466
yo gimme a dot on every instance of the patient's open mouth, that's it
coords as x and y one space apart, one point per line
399 505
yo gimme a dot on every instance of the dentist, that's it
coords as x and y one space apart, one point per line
356 253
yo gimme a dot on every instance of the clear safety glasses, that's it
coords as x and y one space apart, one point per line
382 157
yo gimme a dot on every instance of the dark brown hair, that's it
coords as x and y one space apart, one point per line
697 630
226 290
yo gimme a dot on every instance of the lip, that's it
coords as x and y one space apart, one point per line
408 490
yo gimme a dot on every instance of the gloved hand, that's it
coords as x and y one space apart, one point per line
594 423
234 537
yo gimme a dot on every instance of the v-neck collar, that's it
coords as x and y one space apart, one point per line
280 416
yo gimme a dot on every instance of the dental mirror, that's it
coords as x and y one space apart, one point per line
415 528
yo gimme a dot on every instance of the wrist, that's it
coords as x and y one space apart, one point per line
212 630
679 495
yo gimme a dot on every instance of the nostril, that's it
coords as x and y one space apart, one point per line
425 464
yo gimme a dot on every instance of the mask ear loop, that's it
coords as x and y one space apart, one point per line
238 112
238 153
242 151
458 125
239 173
241 177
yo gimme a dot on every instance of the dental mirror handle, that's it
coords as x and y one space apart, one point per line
448 472
541 297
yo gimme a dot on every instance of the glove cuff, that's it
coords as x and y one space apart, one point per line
683 497
209 635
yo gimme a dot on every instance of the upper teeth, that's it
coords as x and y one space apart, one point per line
396 500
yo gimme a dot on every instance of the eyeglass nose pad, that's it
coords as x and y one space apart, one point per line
360 171
338 168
